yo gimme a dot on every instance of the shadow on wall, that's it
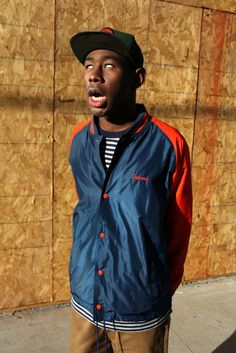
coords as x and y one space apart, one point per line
78 106
228 346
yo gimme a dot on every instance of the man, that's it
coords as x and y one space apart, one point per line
132 223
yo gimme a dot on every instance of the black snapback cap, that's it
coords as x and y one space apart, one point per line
107 38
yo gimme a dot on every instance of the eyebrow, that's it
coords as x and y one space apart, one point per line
104 57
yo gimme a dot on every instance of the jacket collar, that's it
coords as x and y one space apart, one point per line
136 128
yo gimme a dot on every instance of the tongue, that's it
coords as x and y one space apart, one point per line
97 101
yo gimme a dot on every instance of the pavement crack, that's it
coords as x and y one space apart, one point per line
185 344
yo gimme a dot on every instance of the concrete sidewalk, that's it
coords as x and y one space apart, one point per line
203 321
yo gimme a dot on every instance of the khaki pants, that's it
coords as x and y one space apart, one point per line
84 338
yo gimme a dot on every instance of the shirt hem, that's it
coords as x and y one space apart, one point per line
120 326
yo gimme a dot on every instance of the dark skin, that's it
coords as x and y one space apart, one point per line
110 84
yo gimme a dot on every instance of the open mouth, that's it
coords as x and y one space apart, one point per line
96 98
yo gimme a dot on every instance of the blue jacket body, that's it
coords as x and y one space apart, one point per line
132 222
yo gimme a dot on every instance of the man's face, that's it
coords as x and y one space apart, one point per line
109 83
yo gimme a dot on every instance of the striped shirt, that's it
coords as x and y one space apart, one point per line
108 145
108 149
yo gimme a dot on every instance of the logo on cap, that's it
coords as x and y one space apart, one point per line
107 30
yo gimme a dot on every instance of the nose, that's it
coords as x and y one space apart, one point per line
96 75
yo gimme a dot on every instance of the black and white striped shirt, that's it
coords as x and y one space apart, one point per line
109 144
110 147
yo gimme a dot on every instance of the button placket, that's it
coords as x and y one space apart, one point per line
100 272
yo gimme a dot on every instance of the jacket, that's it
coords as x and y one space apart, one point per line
132 223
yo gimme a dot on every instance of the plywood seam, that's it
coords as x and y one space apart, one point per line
25 143
217 162
22 195
18 57
53 145
197 88
207 205
183 118
172 65
217 10
26 26
220 71
70 85
74 112
198 7
48 246
219 95
126 14
164 91
197 224
67 56
24 85
27 222
180 3
199 205
148 30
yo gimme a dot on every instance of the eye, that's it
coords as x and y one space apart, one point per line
109 65
88 66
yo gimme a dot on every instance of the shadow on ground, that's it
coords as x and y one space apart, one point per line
228 346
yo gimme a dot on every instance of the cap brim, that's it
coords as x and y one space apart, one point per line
84 42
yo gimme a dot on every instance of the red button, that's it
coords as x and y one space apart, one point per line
102 235
98 307
105 196
100 272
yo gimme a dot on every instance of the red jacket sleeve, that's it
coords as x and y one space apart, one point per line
179 214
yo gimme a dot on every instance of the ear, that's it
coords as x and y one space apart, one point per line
140 75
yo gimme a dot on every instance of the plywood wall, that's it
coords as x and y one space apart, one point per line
190 57
214 152
26 126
